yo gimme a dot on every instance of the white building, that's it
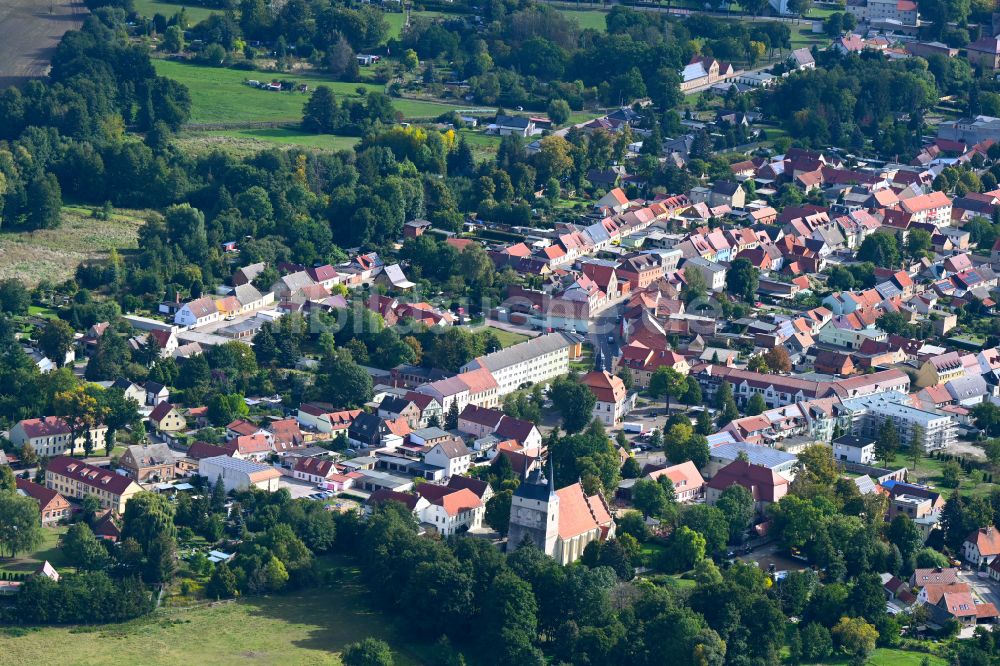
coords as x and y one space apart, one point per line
714 274
853 449
452 455
530 362
198 312
239 474
51 436
866 414
457 511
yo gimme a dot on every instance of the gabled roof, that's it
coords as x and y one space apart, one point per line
762 483
452 448
44 496
579 514
89 475
47 426
986 540
160 412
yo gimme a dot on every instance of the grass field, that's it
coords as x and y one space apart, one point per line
311 627
397 19
195 13
285 135
55 253
508 338
48 550
891 657
220 95
587 18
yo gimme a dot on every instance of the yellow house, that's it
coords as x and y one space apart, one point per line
166 418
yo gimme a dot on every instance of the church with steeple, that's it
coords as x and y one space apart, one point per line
559 522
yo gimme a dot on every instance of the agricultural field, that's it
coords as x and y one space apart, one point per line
29 32
54 254
309 627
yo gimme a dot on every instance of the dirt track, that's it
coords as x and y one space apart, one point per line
29 32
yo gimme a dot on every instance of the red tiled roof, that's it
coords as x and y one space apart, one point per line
160 412
44 496
45 427
200 450
987 540
89 475
758 479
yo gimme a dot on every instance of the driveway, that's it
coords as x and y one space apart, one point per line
983 588
296 487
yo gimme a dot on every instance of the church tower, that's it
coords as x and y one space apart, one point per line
534 513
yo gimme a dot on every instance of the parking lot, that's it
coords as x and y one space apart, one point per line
768 555
297 488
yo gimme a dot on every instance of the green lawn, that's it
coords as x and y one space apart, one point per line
221 95
309 627
893 657
39 311
48 550
508 338
803 36
929 472
587 18
396 20
287 135
195 14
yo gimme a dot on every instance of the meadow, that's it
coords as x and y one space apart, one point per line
309 627
54 254
195 13
220 95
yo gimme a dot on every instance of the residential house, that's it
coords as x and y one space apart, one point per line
853 449
52 436
703 71
613 401
687 480
530 362
765 485
452 455
154 463
75 479
52 506
155 393
985 52
314 470
451 510
981 547
198 312
514 125
167 418
322 418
